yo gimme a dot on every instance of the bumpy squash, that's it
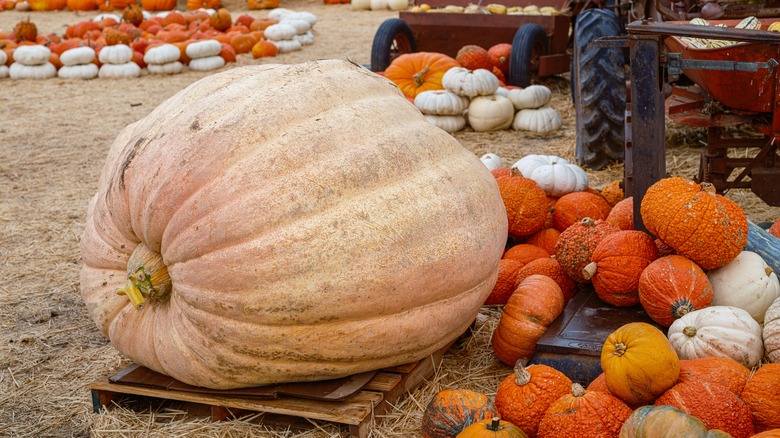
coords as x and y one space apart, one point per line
662 422
451 411
713 369
762 394
265 252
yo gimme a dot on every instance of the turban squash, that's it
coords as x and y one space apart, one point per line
298 235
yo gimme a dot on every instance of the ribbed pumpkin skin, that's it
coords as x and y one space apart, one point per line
620 259
592 414
551 268
419 71
622 214
662 422
525 202
573 207
715 405
576 245
672 286
291 260
762 395
492 428
523 397
452 410
772 433
720 370
705 227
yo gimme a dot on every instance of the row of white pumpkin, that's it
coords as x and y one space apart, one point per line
475 97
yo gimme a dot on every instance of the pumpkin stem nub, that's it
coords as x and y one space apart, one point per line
147 277
589 270
495 424
577 390
620 349
689 331
522 376
418 77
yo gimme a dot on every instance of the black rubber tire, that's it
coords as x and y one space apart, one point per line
599 79
393 38
529 43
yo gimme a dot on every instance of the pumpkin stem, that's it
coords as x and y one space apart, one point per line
418 77
577 390
620 349
495 425
588 222
708 187
522 376
514 171
589 270
147 277
768 271
689 331
680 308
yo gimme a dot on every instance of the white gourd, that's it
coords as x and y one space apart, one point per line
163 54
441 103
303 15
209 11
170 68
746 282
279 13
502 91
398 5
4 71
771 332
379 5
203 49
557 176
32 55
78 71
447 123
490 113
126 70
361 5
116 54
3 58
533 96
721 331
284 46
306 39
300 26
492 161
471 83
78 56
280 31
101 17
540 120
207 64
41 71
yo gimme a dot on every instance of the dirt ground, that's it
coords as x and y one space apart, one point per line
54 136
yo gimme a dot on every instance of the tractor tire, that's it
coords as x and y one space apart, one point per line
530 42
393 39
599 84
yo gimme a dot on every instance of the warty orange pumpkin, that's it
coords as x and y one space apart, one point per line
473 57
505 283
713 369
525 203
583 413
416 72
545 238
453 410
576 244
762 394
288 259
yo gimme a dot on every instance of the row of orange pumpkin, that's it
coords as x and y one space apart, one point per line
118 5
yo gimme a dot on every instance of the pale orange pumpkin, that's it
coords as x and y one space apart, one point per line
275 258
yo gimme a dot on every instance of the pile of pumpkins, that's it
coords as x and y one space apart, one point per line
135 42
716 366
469 90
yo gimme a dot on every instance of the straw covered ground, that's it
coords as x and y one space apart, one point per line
54 137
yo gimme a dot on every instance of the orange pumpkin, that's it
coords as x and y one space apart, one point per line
622 214
613 192
452 410
545 238
416 72
524 396
158 5
505 283
243 42
525 203
525 252
203 4
598 384
261 23
550 268
533 306
221 20
617 263
576 245
262 4
583 413
492 428
111 5
775 229
698 223
672 286
264 48
720 370
501 53
772 433
714 404
762 395
639 363
228 53
573 207
82 5
473 57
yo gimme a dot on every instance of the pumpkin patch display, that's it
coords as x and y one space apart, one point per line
583 413
746 282
671 287
453 410
416 72
762 395
253 291
706 227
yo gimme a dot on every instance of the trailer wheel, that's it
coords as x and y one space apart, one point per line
393 38
530 42
599 85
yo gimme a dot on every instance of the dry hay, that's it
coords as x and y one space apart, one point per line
53 141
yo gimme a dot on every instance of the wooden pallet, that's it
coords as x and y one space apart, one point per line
357 411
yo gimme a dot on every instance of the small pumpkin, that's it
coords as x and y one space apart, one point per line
525 252
531 97
126 70
540 120
549 267
713 369
698 223
639 363
280 31
576 245
203 49
221 20
472 57
194 5
18 70
771 331
470 83
170 68
157 5
447 123
622 214
162 54
505 283
441 103
718 331
492 428
746 282
490 113
583 413
207 63
762 395
32 55
79 71
116 54
524 396
490 160
264 48
416 72
662 421
262 4
525 203
613 192
133 14
501 54
671 287
78 56
545 238
284 46
574 207
533 306
452 410
556 175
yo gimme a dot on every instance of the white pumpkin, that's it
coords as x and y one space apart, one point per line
170 68
471 83
306 39
746 282
301 26
78 71
502 91
721 331
126 70
78 56
533 96
543 119
203 49
447 123
490 113
492 161
303 15
441 103
285 46
116 54
378 5
398 5
3 58
771 332
557 176
280 31
279 13
32 55
207 64
41 71
360 5
163 54
4 71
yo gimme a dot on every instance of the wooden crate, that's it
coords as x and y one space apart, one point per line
356 411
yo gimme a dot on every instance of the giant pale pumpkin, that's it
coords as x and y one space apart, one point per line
317 227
